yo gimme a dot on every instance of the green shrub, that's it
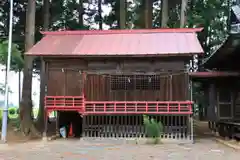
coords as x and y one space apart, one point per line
153 128
12 113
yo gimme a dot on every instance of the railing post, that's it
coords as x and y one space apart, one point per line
179 107
125 107
115 107
83 104
168 107
73 102
104 106
146 107
54 101
57 123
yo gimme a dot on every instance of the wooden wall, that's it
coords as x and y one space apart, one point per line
171 87
64 77
224 99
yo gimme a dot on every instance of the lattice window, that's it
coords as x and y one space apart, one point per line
135 82
145 82
122 82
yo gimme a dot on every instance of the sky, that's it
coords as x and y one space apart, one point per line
14 80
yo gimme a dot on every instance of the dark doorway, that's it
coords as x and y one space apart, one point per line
68 118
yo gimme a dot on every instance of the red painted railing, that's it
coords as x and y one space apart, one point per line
78 103
62 103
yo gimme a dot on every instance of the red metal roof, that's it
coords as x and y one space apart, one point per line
141 42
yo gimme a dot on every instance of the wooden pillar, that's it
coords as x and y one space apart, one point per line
46 116
57 124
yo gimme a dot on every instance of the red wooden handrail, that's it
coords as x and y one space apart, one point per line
78 103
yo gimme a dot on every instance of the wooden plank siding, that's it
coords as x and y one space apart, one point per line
65 78
224 99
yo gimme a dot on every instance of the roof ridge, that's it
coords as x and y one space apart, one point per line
125 31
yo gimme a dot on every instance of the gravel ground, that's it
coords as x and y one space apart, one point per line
204 149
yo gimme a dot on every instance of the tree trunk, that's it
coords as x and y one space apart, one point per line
122 15
26 116
190 11
164 13
40 117
100 14
80 13
46 23
148 5
183 13
46 14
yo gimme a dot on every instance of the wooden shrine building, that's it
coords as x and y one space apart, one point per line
110 78
221 84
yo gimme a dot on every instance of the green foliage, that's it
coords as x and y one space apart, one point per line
11 111
212 15
153 128
65 15
12 116
16 58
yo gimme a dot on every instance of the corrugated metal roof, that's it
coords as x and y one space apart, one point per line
118 42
